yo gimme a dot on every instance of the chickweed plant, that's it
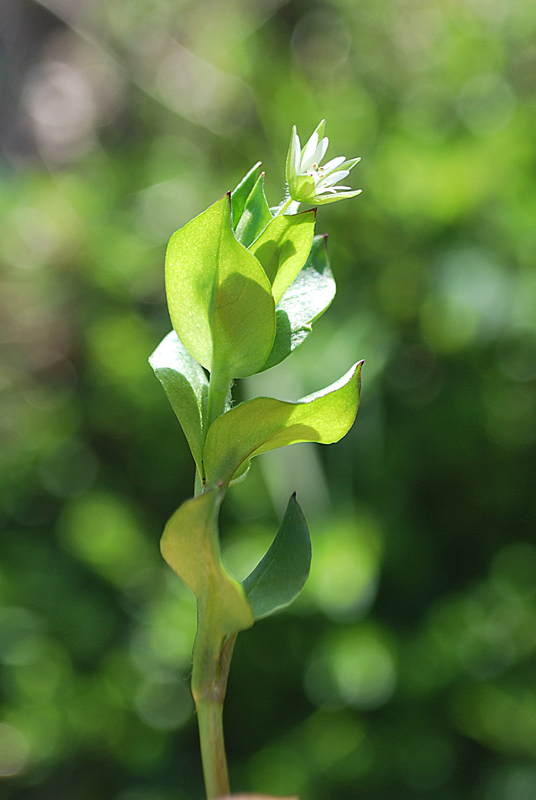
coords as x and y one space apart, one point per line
244 284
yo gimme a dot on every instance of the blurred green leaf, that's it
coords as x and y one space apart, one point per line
264 424
219 297
283 247
280 576
186 386
190 546
255 216
305 300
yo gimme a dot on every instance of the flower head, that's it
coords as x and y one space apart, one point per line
309 181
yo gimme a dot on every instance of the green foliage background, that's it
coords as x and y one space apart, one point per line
407 668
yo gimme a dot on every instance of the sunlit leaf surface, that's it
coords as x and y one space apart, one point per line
283 247
280 576
186 386
219 297
264 423
304 301
190 547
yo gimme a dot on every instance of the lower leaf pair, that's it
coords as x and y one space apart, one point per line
190 546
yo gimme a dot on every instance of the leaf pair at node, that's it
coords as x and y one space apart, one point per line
255 426
222 294
190 546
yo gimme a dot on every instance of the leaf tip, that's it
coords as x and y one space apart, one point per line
356 369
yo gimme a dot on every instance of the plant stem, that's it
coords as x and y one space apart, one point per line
198 484
212 659
218 392
212 651
284 206
209 717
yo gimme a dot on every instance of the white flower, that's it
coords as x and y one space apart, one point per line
310 182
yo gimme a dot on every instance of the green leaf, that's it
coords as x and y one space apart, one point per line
304 301
325 199
256 214
240 194
219 297
241 473
280 576
186 386
264 424
319 130
282 248
190 546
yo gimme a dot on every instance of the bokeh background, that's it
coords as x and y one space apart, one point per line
407 668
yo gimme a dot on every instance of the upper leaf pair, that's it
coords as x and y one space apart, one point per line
313 287
219 297
222 296
255 426
186 383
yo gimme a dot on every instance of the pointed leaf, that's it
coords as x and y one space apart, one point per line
256 214
303 302
324 199
186 386
219 297
320 129
283 247
241 473
240 194
264 424
280 576
190 546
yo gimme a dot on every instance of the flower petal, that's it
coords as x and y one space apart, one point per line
329 180
333 164
316 157
293 155
321 149
309 151
296 152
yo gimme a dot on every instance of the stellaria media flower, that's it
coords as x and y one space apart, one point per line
310 182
